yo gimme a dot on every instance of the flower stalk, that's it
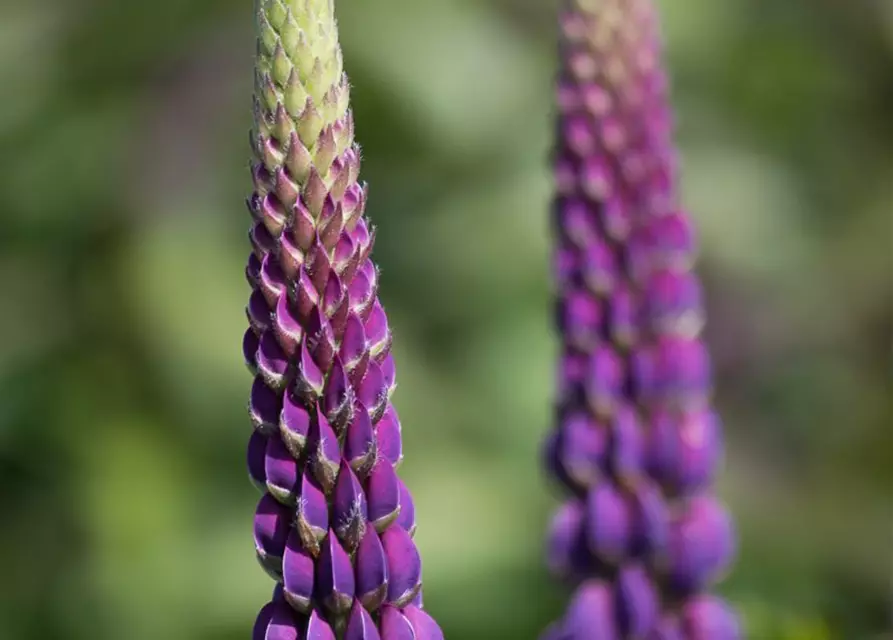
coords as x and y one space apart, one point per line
641 537
335 524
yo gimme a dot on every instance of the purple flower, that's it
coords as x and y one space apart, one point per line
335 524
636 445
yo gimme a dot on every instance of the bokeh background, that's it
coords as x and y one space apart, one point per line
126 510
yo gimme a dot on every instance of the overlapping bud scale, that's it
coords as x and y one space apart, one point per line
335 524
637 444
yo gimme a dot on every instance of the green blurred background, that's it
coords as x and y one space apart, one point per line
123 143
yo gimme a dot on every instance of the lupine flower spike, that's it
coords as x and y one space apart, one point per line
641 537
335 524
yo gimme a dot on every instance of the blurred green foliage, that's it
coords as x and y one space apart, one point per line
123 146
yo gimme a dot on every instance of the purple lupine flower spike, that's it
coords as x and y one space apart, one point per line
335 524
641 537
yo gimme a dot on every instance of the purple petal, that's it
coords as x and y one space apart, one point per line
666 629
685 449
627 446
312 514
259 313
377 332
425 626
271 524
281 471
623 317
579 319
371 571
591 613
674 303
383 495
294 425
263 622
272 280
264 407
404 566
334 576
702 544
600 267
297 574
605 380
250 343
257 446
636 601
406 519
359 443
338 398
320 339
651 524
709 618
567 555
349 508
283 624
353 345
394 625
309 380
360 625
582 449
387 434
373 391
325 452
287 326
318 628
607 523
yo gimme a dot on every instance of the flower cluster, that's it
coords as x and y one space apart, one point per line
335 525
637 444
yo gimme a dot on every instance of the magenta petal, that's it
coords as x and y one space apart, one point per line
685 449
425 626
294 424
636 601
320 339
652 524
349 508
259 313
709 618
360 625
404 566
312 515
359 442
394 625
257 447
271 524
382 495
607 523
318 628
281 470
371 571
388 437
334 577
389 375
579 319
297 574
673 303
406 519
264 407
325 452
591 613
666 629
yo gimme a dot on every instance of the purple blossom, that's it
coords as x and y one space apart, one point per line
335 525
641 538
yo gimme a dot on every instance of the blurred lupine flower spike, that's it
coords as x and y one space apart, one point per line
641 537
335 525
